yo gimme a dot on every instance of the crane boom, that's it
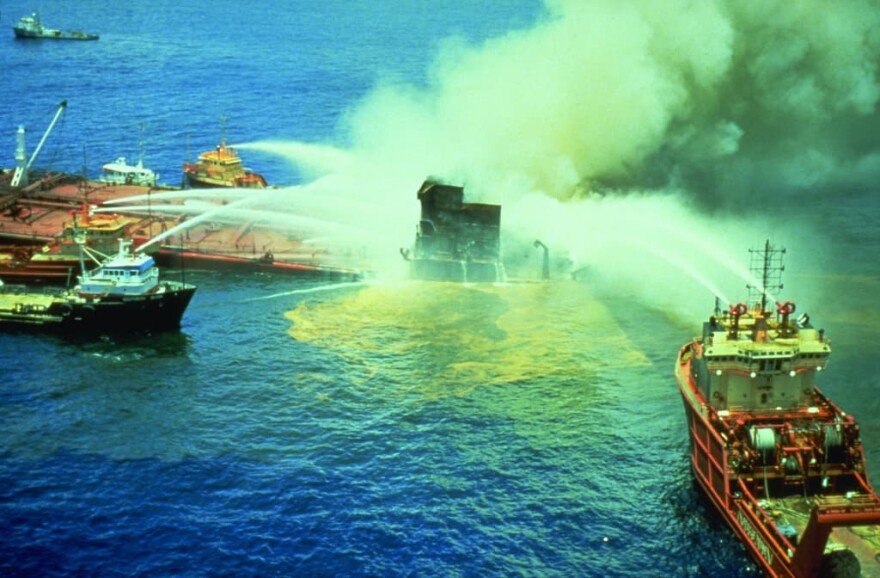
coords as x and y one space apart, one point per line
20 176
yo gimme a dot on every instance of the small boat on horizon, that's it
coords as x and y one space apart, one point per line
123 295
782 464
30 27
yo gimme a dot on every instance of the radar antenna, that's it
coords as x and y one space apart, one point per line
765 264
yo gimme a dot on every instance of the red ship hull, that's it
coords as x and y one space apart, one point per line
168 257
779 553
34 218
56 273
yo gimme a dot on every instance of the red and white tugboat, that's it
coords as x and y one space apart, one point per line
780 461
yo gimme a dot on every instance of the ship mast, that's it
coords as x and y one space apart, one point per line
141 148
20 177
765 264
223 133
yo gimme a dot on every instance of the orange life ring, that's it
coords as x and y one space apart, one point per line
786 308
739 309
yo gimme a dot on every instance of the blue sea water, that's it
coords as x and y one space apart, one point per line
296 429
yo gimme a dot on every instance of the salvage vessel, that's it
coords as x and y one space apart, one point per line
780 461
123 295
120 172
30 27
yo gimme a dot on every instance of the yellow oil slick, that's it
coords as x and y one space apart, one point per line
456 338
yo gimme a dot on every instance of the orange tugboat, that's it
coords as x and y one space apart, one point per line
221 167
782 464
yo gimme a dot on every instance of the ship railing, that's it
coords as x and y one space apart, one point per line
710 443
865 485
761 528
854 509
867 503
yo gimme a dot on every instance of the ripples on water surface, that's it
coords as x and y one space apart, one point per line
374 430
427 429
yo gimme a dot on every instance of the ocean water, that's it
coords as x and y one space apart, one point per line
380 428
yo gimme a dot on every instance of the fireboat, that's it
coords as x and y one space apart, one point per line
781 462
221 167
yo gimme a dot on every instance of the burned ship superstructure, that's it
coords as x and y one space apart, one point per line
455 240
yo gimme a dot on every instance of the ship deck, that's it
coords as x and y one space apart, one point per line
863 541
787 507
12 301
38 213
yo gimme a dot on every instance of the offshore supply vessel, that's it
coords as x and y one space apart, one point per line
455 241
30 27
122 295
780 461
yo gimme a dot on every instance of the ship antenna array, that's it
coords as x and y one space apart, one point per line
765 264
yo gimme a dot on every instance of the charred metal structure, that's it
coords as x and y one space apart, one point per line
455 241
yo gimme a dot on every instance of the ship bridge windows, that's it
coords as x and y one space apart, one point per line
765 365
813 356
116 273
775 361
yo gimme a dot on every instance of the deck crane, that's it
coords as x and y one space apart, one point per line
20 178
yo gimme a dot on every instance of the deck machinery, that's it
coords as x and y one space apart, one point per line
781 462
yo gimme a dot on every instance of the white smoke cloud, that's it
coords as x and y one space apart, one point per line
587 93
607 93
731 104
